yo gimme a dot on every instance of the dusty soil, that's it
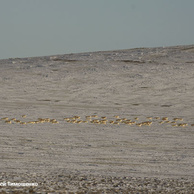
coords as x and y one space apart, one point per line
144 82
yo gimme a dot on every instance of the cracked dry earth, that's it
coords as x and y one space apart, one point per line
67 156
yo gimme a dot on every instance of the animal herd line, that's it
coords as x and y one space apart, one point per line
95 119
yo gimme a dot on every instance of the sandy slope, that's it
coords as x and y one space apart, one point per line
130 83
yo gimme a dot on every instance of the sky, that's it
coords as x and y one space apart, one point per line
31 28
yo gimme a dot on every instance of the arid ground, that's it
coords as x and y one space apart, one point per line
141 86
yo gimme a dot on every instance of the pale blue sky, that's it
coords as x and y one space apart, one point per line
48 27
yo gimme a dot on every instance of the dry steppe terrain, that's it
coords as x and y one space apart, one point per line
47 138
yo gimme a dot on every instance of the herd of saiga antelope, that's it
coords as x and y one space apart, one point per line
175 122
